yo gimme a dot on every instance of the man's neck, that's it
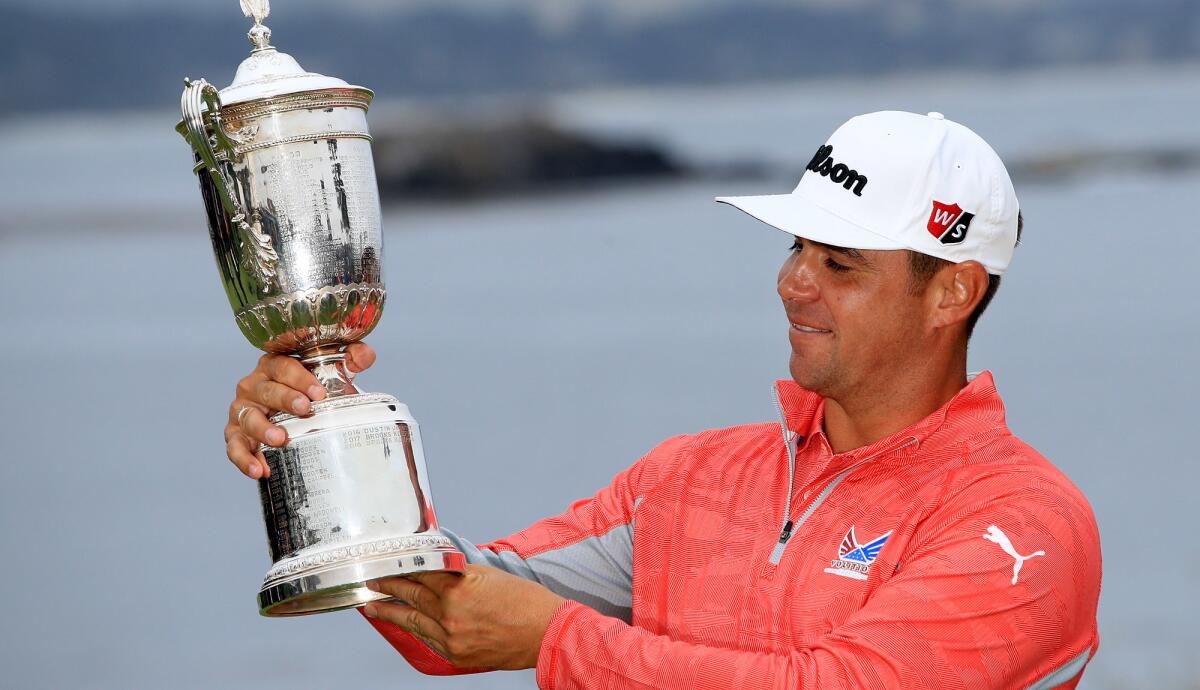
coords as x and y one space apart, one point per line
858 420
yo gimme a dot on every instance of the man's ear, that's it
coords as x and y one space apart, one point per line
958 288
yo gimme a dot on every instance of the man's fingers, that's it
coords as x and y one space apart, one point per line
245 386
435 581
256 425
279 382
243 452
235 413
412 620
291 373
359 356
262 461
276 396
412 593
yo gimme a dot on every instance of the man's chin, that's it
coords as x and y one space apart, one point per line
805 376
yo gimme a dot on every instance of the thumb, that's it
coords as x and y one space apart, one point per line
359 356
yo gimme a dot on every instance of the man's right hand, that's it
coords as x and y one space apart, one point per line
278 383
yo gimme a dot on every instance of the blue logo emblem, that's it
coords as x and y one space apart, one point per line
854 559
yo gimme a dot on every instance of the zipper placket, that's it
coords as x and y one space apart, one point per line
789 527
785 530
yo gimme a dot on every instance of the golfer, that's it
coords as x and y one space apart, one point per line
887 531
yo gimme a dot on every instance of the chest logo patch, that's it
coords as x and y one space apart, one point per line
854 559
994 534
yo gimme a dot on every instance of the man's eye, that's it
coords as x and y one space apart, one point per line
797 245
835 266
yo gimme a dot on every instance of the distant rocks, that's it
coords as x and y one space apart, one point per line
1064 165
449 156
454 158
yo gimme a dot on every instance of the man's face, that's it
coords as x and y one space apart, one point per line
852 318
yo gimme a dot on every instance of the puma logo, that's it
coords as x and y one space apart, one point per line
995 535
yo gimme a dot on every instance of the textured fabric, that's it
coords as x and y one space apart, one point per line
903 575
597 571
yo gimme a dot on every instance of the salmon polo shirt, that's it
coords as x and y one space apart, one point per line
948 555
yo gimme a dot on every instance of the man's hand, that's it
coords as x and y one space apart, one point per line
278 383
484 618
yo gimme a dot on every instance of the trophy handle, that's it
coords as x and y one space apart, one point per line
200 93
256 246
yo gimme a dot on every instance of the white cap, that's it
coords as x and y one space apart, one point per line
896 180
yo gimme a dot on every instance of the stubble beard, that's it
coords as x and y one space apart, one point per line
819 377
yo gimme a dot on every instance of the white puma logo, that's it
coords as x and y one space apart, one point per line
995 535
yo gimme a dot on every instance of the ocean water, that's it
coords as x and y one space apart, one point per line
545 343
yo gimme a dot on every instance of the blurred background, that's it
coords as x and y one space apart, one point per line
564 293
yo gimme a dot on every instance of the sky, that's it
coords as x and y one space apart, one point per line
631 9
551 13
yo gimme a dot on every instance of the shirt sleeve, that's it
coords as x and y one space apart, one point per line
584 555
956 615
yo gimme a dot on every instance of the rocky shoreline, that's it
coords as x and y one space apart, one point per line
453 159
448 157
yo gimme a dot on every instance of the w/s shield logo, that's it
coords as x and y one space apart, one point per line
949 223
854 559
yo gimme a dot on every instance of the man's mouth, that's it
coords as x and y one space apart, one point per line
808 329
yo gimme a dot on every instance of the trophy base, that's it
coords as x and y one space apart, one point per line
347 502
344 586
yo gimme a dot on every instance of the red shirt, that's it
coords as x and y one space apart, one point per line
948 555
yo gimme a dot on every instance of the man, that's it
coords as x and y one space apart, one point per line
888 531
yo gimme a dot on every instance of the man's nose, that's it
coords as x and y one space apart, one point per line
797 280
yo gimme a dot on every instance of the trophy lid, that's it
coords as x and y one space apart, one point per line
268 72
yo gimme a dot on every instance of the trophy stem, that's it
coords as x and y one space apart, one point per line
328 364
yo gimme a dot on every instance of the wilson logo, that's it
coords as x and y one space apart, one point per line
823 164
949 223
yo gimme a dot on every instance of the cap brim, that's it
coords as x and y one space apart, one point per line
802 218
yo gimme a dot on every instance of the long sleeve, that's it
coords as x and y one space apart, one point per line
957 615
585 554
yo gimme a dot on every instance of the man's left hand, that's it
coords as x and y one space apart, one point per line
484 618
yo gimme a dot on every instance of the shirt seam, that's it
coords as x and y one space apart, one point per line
572 609
677 466
534 553
624 522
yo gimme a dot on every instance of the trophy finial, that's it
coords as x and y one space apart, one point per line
258 10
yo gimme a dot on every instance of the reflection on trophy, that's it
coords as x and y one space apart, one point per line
285 168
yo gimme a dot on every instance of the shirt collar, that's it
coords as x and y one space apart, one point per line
975 409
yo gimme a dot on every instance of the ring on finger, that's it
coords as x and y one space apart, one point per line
242 413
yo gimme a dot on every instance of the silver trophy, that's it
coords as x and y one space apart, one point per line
285 168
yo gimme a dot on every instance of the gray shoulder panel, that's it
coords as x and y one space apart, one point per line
1063 673
595 571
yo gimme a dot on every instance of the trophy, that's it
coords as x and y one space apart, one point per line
288 182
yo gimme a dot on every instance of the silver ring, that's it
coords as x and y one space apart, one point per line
242 413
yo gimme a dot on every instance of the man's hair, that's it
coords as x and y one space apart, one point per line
922 268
